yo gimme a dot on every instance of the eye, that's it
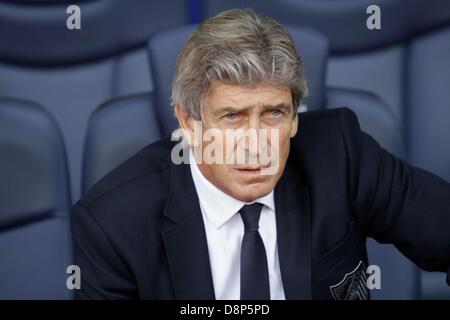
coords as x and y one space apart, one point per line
231 116
276 113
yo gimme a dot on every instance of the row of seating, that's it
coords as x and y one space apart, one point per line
92 104
51 80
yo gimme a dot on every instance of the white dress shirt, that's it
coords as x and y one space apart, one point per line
224 233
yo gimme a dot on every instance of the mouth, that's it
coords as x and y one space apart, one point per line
251 170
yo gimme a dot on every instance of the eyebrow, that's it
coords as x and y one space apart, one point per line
283 106
229 109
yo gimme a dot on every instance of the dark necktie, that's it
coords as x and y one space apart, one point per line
254 269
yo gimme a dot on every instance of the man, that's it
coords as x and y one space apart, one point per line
271 204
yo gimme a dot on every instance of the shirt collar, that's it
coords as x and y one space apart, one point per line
218 206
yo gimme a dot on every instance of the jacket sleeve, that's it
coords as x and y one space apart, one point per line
397 203
104 275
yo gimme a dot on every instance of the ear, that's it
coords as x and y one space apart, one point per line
294 125
186 122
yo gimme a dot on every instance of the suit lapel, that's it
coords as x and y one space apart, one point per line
185 242
293 234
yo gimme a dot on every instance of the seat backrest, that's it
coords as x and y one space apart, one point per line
428 101
117 129
374 115
35 239
71 72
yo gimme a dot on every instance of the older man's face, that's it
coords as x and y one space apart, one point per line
253 123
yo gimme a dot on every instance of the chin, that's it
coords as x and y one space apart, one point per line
251 192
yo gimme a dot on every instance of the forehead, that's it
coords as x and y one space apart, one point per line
226 95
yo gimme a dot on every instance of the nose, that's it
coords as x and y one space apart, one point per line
253 122
248 142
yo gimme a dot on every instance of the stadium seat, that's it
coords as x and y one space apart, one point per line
117 129
35 239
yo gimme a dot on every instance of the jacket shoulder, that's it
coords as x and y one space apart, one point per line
342 114
339 122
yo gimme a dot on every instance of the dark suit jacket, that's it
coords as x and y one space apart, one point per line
139 232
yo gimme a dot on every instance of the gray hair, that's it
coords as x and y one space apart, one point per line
237 46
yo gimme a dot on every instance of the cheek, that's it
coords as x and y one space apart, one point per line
279 142
229 146
223 171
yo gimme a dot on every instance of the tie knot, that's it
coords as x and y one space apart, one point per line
250 214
